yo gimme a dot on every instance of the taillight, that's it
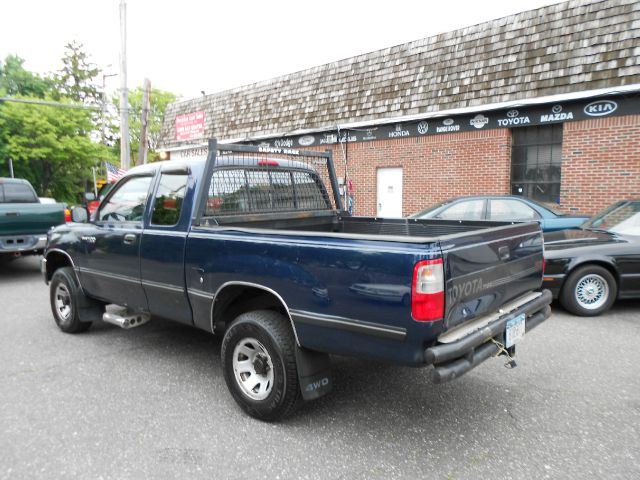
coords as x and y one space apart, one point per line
67 215
427 291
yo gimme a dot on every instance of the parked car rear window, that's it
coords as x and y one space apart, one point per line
468 210
510 210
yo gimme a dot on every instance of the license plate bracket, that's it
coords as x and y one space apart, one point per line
515 330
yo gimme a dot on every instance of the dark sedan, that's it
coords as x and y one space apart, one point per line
509 208
587 269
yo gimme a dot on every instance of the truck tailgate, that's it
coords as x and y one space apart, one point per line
488 268
29 218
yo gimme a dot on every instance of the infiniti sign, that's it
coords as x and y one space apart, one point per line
600 108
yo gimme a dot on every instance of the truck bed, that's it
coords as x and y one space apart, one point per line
324 221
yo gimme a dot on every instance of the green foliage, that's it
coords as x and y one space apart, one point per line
50 146
159 99
77 78
55 147
15 80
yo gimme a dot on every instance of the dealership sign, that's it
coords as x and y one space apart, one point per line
190 126
522 116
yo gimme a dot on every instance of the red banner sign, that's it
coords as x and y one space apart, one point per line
190 125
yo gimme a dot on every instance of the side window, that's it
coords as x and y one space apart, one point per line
128 202
169 199
511 210
469 210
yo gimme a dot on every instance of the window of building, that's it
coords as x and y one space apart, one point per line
536 161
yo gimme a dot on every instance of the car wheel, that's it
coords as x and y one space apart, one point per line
259 365
589 291
64 295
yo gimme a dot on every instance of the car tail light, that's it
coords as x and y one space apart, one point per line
67 215
427 291
268 163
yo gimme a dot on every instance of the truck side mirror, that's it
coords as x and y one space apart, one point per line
79 215
89 197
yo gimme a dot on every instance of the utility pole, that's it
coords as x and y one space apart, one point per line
11 167
125 156
144 121
103 108
103 130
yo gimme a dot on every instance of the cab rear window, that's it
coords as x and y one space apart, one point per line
236 191
17 193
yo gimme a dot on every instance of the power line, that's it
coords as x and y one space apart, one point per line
49 104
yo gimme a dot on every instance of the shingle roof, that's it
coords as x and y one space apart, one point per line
567 47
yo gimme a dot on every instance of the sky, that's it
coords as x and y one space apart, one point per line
190 46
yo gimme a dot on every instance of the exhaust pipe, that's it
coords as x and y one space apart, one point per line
126 320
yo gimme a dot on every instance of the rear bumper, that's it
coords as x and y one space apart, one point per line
553 283
451 360
22 243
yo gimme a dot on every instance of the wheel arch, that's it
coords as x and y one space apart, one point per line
56 259
234 298
599 262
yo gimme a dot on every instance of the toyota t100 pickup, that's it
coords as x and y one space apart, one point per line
254 245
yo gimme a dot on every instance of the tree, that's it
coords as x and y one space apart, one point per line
49 146
16 80
159 100
77 78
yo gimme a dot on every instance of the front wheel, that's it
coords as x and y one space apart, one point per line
589 291
63 294
259 365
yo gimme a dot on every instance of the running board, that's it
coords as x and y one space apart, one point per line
126 319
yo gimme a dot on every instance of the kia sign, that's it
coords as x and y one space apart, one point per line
189 126
600 108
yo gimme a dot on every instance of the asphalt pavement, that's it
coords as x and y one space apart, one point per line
152 403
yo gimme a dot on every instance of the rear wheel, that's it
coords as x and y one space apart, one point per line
589 291
65 295
259 365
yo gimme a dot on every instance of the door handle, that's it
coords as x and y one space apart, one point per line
129 239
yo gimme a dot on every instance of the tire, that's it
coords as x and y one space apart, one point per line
65 296
259 365
589 291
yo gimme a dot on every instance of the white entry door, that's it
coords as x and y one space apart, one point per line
390 192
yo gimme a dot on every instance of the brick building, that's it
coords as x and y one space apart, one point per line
545 103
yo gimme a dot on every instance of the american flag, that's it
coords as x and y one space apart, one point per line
114 173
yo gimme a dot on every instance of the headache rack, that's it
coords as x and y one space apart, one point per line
252 183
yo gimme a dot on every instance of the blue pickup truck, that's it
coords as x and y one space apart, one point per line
253 244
